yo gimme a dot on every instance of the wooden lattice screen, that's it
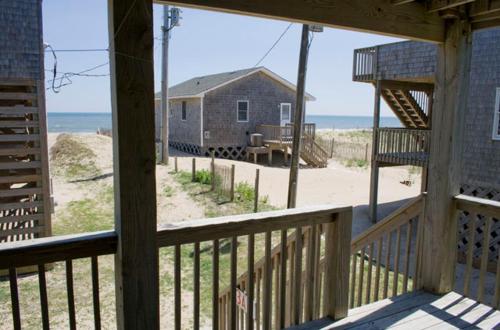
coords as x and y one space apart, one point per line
25 202
494 241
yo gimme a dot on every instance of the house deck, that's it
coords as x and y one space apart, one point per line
416 311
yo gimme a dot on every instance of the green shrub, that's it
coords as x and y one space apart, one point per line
244 192
203 177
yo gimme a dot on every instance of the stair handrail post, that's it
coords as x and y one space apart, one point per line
337 258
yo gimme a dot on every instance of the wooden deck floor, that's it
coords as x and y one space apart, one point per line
416 311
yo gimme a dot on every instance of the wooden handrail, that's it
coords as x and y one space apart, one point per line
478 205
56 248
479 219
389 223
239 225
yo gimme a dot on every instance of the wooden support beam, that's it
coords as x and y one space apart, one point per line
436 5
132 95
440 228
374 164
411 21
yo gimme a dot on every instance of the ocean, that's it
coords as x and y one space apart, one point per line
79 122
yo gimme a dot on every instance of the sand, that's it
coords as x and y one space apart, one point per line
336 184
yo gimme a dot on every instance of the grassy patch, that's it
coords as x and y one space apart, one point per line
168 191
73 159
87 215
361 163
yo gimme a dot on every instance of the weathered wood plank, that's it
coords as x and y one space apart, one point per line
196 286
14 299
409 21
132 96
19 137
240 225
18 110
215 285
337 256
57 248
478 205
44 303
95 292
445 163
19 165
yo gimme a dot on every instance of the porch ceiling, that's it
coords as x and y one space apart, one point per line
411 19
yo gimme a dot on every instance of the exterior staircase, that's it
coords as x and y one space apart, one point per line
409 106
312 153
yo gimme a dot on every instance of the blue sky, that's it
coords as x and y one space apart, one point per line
206 42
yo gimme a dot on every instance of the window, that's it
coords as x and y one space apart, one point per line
242 111
183 111
496 117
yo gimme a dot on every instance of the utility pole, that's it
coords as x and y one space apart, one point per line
164 85
298 118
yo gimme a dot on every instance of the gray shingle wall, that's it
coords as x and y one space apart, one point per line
407 60
20 39
264 95
481 163
185 131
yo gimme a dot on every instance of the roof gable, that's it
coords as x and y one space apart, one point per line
199 86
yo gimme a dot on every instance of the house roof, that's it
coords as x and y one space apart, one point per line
199 86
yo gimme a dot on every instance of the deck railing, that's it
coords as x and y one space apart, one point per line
44 251
365 64
403 146
208 238
481 216
276 134
385 258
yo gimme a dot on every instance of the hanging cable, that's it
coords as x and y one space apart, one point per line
274 45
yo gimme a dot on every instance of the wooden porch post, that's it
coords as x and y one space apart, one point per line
374 166
132 95
440 227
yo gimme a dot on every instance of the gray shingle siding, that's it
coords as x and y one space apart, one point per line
21 39
417 61
219 109
407 60
187 131
481 162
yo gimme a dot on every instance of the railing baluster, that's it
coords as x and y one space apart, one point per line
406 269
377 271
44 304
470 252
277 289
297 277
177 286
71 295
258 300
267 284
283 283
196 286
215 285
484 258
317 273
95 291
234 270
369 277
387 264
353 279
310 274
14 297
251 279
496 302
361 276
395 279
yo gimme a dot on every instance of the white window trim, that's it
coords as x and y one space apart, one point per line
289 113
496 117
238 112
182 108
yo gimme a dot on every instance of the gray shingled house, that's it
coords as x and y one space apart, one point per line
219 112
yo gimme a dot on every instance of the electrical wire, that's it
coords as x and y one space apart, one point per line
274 45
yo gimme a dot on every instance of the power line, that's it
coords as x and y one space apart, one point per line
80 50
274 45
